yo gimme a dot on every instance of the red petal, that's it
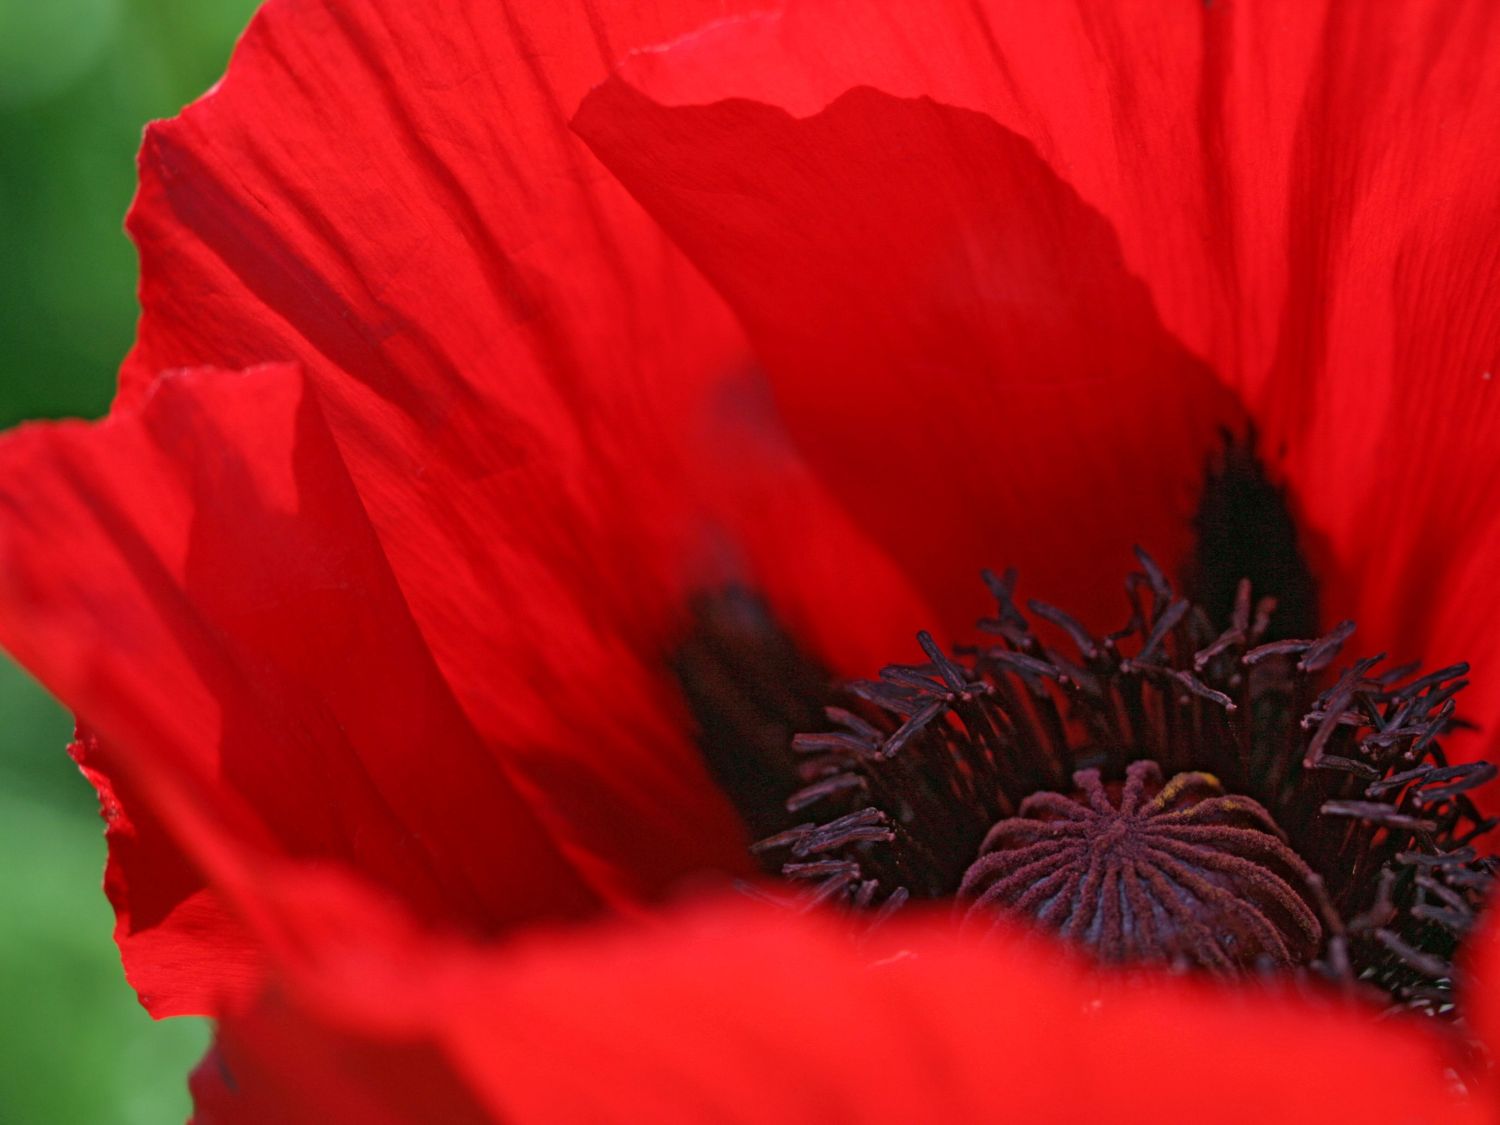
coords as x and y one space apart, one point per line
1309 197
505 348
183 949
956 345
1387 393
1481 994
198 579
743 1015
836 591
1202 132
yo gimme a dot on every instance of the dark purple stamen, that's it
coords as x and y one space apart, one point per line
1309 817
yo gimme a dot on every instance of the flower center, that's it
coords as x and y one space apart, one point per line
1180 873
1170 792
1196 788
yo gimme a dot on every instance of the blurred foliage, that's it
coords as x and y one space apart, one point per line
78 80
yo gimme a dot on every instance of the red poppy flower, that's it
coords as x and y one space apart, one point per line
587 431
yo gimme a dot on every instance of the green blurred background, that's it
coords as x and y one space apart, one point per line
78 79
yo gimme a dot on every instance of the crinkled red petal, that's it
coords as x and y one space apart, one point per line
1385 388
198 578
1308 195
1480 983
956 345
737 1014
506 350
788 538
184 951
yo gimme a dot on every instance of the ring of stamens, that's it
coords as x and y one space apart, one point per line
914 771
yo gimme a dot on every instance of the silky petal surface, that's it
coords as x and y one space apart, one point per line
954 341
197 577
505 350
735 1014
1481 984
1308 195
523 383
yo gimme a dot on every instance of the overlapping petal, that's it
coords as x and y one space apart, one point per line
732 1013
407 619
955 343
503 349
197 577
535 405
1302 189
